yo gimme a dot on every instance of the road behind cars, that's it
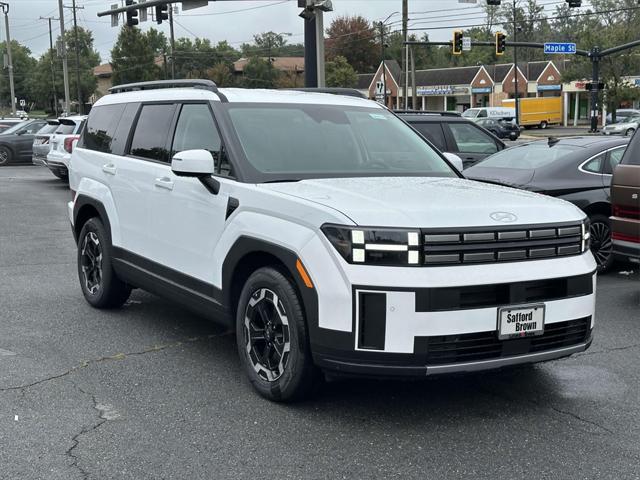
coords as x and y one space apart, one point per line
153 391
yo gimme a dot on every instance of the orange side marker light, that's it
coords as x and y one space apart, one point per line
303 274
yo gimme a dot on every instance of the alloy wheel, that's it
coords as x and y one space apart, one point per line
4 156
266 334
91 262
601 244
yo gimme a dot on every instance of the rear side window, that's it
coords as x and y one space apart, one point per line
471 139
152 129
432 132
101 126
632 153
613 160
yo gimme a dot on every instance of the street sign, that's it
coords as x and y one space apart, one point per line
379 89
569 48
23 102
114 16
466 43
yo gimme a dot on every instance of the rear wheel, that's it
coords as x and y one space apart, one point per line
272 337
100 285
601 244
6 155
629 132
543 125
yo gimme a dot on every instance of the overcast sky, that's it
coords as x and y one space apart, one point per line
238 20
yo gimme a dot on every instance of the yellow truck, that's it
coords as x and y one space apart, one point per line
538 112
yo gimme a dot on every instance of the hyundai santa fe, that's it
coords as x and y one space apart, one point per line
326 232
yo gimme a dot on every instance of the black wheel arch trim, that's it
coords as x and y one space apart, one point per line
84 200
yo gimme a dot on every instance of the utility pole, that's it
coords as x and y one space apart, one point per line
320 47
53 70
595 80
75 34
65 66
5 10
414 100
384 66
172 43
515 63
405 58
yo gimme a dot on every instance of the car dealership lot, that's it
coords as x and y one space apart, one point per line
153 391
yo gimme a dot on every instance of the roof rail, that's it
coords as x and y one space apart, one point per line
349 92
130 87
428 112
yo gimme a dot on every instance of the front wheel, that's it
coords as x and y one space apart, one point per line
100 285
6 155
601 243
272 337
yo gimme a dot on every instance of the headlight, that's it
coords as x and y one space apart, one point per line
375 246
586 235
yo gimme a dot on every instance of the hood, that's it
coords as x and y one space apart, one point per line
423 202
510 177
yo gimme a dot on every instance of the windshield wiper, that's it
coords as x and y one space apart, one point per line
283 180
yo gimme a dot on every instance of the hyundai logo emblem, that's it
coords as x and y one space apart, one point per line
504 217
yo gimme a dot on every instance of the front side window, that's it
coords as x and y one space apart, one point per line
33 128
152 129
197 130
297 141
471 139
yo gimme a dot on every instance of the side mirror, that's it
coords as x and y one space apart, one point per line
193 163
455 160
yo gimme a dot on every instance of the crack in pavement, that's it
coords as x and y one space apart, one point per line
117 356
551 407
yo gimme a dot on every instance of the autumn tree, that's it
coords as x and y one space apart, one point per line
353 38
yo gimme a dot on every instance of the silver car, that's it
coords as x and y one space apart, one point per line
41 145
626 127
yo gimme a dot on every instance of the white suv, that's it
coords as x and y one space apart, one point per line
324 230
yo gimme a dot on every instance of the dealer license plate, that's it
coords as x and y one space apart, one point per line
520 321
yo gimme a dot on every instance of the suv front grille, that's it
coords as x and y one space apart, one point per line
472 347
489 245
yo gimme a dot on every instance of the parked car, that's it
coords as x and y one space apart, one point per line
501 128
625 197
16 143
478 113
62 139
576 169
622 114
7 123
449 132
627 127
326 232
41 143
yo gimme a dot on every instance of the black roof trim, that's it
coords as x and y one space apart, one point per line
427 112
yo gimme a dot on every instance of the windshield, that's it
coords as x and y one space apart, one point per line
294 141
471 113
528 157
16 127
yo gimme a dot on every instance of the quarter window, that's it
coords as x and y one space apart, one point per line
471 139
595 164
101 125
614 159
150 137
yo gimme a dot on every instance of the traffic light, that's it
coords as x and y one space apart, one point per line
162 13
501 43
574 3
132 15
457 42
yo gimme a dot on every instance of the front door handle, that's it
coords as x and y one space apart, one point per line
109 168
164 182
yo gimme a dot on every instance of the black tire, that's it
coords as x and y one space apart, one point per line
284 327
6 155
629 132
61 175
543 125
601 243
100 285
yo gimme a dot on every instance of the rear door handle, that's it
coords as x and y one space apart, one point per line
164 182
109 168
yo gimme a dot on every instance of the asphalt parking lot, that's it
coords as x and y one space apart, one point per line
153 392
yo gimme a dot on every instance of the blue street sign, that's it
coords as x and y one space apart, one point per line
569 48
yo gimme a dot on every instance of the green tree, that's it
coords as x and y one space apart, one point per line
221 74
353 38
23 69
340 74
258 73
132 57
